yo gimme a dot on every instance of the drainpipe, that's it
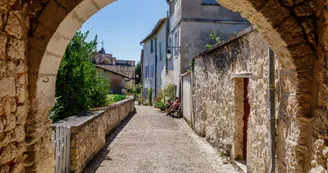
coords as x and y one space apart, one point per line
155 69
167 40
272 108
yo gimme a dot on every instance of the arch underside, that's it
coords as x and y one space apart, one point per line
290 29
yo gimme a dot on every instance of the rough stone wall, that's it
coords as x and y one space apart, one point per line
214 98
88 136
319 133
14 103
296 30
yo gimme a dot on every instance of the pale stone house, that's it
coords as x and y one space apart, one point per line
175 40
190 24
118 82
123 67
154 59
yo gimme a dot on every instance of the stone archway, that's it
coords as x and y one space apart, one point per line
296 31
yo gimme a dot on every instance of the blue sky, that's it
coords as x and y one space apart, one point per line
123 24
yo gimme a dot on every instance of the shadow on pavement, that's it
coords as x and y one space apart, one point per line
95 163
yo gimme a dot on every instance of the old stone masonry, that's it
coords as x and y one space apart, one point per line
35 33
154 143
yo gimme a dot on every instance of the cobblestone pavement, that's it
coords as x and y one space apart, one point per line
151 142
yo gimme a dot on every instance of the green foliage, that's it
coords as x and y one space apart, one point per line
215 39
150 94
138 73
112 98
169 92
161 105
209 46
191 65
78 86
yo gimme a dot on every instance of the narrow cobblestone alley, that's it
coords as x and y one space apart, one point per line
150 142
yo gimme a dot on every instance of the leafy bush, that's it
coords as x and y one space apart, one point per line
112 98
78 86
150 94
161 105
169 92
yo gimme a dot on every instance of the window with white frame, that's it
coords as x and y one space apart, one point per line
177 42
170 45
160 51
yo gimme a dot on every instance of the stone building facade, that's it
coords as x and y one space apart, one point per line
190 24
31 48
218 89
230 106
154 60
118 82
123 67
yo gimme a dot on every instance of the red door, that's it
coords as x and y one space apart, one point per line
246 116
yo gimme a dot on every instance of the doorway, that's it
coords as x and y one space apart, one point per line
246 116
242 113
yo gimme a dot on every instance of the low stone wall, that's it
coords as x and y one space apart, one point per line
88 133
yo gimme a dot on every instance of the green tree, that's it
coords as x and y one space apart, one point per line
138 73
78 86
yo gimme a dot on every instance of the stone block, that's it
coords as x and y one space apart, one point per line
21 94
2 123
8 153
3 69
21 114
11 122
13 26
5 5
21 68
3 45
7 87
16 49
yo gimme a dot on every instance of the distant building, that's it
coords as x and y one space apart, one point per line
123 67
154 59
117 81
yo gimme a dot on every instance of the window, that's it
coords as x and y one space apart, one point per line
176 45
210 2
151 71
160 51
146 71
170 44
160 82
152 45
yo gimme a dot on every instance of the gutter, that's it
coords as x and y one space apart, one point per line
272 107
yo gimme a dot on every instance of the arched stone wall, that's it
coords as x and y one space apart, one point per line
297 32
34 35
51 31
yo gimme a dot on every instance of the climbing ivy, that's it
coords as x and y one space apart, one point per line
214 38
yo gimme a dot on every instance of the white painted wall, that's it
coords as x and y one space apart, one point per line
158 52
